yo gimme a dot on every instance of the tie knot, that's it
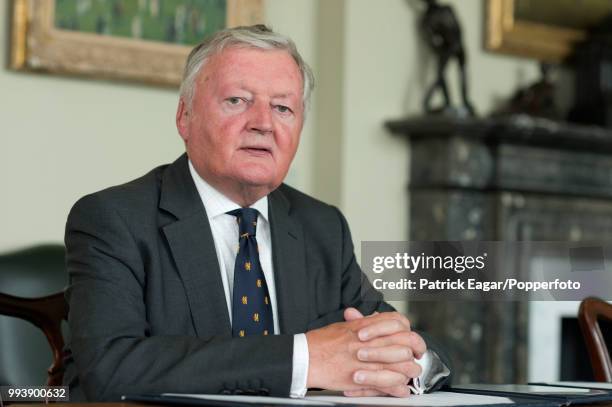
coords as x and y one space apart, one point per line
247 220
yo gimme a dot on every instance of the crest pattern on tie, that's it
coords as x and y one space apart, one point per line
251 309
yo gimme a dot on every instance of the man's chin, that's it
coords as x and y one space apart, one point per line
259 182
256 176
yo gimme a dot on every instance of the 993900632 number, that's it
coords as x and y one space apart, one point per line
34 393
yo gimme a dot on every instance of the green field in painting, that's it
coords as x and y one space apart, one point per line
576 14
174 21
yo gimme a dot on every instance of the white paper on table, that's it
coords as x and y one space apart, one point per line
589 385
439 398
523 388
251 399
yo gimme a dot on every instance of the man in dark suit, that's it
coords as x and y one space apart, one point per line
209 275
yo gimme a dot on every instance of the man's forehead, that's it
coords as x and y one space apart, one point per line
233 58
246 50
243 66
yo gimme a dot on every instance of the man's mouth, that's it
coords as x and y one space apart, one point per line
257 151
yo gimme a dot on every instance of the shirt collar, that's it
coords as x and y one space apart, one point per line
218 204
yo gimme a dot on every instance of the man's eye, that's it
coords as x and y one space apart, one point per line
234 100
283 109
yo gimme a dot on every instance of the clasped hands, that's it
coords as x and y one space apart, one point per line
365 356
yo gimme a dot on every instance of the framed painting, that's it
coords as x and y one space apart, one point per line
542 29
137 40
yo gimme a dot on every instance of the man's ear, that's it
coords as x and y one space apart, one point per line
182 119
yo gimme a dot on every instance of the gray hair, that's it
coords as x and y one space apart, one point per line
255 36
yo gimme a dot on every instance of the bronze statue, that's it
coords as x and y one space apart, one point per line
442 33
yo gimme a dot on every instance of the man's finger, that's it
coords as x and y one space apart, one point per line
418 345
383 316
379 378
387 354
351 314
408 369
410 339
382 328
402 339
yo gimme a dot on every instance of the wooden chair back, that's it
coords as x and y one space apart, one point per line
590 312
47 314
30 281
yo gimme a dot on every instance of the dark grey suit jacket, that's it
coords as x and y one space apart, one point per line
147 307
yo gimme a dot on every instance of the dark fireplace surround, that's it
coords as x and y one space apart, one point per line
514 179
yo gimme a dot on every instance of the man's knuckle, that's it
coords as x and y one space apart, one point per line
406 369
414 370
404 338
397 379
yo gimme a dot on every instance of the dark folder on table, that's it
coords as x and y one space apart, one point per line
522 393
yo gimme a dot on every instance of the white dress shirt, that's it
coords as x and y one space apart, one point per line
225 231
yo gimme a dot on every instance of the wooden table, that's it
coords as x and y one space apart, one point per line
153 405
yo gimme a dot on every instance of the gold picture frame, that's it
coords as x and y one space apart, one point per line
507 34
37 45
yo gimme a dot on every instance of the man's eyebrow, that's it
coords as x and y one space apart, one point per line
283 95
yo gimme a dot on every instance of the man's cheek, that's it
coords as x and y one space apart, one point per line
287 136
231 128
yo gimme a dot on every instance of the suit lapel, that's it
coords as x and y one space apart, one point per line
193 249
288 255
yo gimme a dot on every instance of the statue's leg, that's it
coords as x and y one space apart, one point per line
429 96
464 85
440 83
441 77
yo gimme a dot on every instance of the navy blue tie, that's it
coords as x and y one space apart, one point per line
251 309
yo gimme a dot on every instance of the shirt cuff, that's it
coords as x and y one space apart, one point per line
432 371
299 375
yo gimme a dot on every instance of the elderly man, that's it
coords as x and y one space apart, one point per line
209 275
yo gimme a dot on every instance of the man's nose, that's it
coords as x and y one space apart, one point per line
260 119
